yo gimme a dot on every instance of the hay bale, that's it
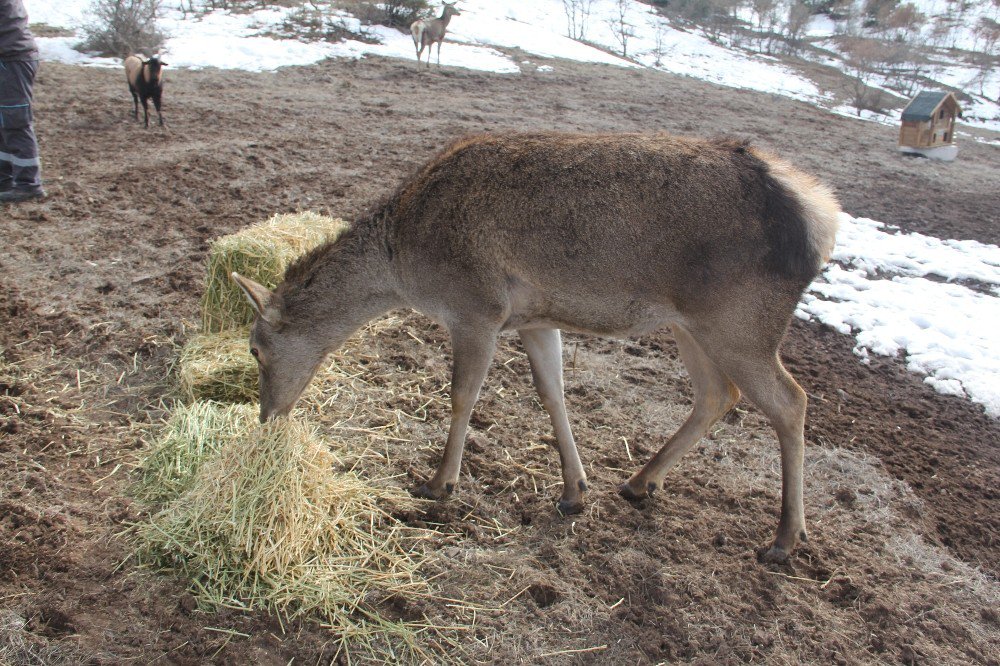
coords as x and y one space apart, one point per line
261 252
260 517
218 366
193 434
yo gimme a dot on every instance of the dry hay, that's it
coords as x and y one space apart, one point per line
20 645
268 517
261 252
218 366
193 434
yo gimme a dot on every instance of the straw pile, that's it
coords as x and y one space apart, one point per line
218 366
259 517
261 252
193 434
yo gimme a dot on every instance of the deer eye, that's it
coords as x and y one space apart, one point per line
254 353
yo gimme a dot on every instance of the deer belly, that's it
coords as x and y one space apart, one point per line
611 315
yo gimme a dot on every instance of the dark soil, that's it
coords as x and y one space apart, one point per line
100 281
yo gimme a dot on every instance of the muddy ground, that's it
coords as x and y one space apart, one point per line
100 282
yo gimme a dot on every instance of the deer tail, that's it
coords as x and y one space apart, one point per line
804 216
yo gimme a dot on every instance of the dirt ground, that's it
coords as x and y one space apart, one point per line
100 282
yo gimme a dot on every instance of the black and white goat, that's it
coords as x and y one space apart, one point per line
145 81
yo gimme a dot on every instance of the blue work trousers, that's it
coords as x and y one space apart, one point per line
19 164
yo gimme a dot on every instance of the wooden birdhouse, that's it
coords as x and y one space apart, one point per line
929 125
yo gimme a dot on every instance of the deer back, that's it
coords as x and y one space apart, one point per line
133 68
574 230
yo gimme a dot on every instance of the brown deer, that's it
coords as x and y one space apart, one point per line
145 80
613 235
428 31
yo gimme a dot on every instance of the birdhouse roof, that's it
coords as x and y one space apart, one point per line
923 106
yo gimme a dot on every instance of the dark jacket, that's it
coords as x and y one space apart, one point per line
16 41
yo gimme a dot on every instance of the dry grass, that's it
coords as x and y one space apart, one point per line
261 252
19 645
267 517
218 366
193 434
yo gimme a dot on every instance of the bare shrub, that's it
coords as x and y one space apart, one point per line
795 26
906 19
392 13
877 12
904 65
577 14
986 57
864 59
659 47
122 27
715 17
317 25
767 20
243 5
622 29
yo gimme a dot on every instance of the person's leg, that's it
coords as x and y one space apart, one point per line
6 172
20 168
7 83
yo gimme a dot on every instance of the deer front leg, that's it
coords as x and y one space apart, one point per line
473 350
544 348
159 113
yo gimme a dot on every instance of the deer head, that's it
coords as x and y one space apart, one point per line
288 355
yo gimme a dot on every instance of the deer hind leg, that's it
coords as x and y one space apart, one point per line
768 385
714 395
758 372
544 348
473 349
439 55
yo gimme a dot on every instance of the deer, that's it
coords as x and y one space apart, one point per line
428 31
145 80
605 234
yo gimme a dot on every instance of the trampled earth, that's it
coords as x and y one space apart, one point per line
101 281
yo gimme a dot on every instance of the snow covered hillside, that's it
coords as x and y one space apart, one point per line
539 27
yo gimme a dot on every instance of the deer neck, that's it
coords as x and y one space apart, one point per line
349 283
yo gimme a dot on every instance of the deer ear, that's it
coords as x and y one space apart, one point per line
258 295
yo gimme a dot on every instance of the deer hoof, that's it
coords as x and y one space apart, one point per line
569 507
773 555
426 492
628 492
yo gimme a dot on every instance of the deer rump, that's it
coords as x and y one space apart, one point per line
610 235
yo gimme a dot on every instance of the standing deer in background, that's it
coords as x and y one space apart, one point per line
428 31
613 235
145 80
